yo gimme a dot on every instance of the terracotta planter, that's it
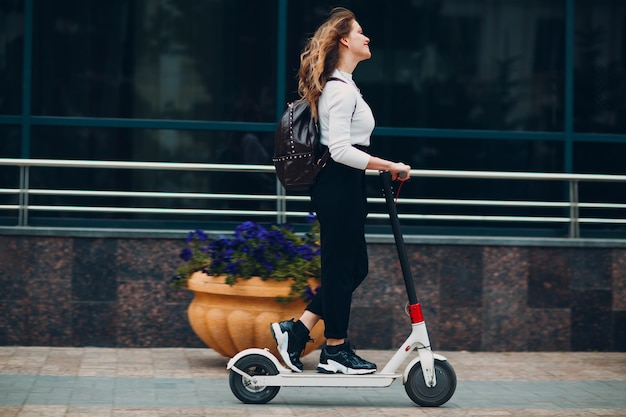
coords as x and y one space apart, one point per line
232 318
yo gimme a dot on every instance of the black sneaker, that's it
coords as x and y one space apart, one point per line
289 345
342 358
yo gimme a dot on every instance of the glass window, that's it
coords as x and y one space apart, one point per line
10 141
437 64
9 148
151 146
11 55
9 175
497 154
456 64
155 59
600 66
472 155
601 158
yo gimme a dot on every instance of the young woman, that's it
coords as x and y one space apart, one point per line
339 199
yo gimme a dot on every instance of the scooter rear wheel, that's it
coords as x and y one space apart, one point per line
425 396
244 388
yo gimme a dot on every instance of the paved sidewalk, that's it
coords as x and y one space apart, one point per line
99 382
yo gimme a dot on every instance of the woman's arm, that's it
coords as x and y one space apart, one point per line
395 168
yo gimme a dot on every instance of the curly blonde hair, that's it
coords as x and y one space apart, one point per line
320 56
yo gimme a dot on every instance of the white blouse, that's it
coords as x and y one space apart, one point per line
345 120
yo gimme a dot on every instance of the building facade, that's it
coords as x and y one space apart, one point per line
500 85
532 86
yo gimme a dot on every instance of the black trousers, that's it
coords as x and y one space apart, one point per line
340 202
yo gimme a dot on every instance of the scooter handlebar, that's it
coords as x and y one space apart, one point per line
401 174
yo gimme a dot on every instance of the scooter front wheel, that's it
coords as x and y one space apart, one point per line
245 388
425 396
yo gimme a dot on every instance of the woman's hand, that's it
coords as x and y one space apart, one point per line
395 168
400 171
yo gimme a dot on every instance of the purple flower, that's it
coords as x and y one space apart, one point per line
250 230
311 217
201 235
226 256
253 250
276 237
186 254
306 252
219 245
290 249
259 254
232 267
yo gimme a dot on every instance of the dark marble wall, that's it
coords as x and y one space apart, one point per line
74 291
497 298
91 292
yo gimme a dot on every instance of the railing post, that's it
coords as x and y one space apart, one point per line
574 225
281 203
22 218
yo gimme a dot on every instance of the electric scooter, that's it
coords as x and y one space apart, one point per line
256 375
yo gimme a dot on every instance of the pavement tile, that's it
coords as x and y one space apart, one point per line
99 382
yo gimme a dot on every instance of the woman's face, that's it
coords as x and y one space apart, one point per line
358 43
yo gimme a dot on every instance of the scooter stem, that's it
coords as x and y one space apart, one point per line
419 335
385 176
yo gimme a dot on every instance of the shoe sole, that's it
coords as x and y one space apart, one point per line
333 367
282 342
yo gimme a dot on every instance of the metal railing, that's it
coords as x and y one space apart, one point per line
569 207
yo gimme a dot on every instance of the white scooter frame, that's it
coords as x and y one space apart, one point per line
256 375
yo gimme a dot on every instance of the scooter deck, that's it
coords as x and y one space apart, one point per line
317 379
